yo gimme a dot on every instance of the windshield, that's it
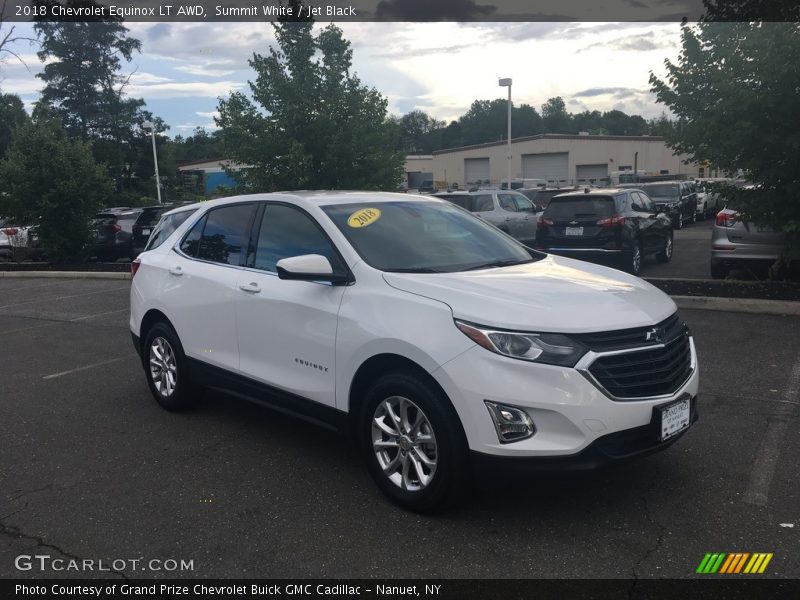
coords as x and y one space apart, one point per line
662 191
424 237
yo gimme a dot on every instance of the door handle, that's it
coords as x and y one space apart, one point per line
176 271
251 287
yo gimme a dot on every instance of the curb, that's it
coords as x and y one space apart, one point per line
65 275
741 305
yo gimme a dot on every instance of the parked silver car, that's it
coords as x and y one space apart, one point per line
509 211
738 244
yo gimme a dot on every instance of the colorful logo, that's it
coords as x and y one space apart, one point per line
734 562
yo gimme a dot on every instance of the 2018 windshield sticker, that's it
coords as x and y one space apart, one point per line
364 217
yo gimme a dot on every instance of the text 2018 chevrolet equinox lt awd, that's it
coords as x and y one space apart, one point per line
435 338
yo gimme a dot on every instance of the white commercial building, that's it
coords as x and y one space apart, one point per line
558 159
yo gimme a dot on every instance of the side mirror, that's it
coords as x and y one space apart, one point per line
309 267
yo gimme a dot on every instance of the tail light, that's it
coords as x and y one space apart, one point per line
116 228
615 221
10 231
726 219
543 223
135 264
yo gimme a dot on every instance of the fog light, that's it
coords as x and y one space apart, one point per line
512 424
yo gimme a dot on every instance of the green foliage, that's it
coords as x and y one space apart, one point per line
12 115
312 123
734 89
46 177
201 145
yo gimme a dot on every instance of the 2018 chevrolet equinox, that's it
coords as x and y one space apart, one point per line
433 336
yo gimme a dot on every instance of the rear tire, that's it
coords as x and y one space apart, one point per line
679 221
167 369
666 254
412 443
633 259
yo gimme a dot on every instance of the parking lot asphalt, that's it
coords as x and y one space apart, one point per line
92 468
691 256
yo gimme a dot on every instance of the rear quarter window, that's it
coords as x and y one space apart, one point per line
166 226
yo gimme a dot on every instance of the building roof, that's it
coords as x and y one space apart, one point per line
557 136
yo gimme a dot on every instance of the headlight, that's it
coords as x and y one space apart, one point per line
548 348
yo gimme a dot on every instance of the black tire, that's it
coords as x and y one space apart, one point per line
183 393
694 214
705 211
678 224
631 263
450 477
666 254
719 270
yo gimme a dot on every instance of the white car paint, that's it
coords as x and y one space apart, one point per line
262 335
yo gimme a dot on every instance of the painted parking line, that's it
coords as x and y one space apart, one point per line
52 299
51 322
87 367
769 451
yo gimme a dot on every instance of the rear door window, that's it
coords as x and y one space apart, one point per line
226 234
483 203
523 204
580 207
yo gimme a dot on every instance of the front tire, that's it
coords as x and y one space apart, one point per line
167 369
679 221
410 437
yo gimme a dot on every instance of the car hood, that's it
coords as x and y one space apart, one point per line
555 294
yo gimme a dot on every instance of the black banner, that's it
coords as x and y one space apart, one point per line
400 10
442 589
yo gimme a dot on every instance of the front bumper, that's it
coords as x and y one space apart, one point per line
570 412
609 449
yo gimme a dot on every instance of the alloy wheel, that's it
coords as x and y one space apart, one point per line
163 367
636 260
404 443
668 247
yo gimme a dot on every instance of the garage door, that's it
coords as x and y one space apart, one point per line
476 170
591 173
552 167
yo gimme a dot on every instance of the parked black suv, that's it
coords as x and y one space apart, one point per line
601 225
678 199
146 222
111 233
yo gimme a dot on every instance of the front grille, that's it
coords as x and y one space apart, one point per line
655 372
632 338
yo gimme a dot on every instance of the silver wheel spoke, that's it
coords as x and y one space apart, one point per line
404 443
163 368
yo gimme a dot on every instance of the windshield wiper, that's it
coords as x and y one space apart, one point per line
413 270
497 263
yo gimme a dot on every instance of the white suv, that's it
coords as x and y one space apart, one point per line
423 330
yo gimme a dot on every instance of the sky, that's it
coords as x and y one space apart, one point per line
439 68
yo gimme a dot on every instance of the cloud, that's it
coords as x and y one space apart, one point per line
408 52
144 78
208 115
617 92
191 89
436 10
206 70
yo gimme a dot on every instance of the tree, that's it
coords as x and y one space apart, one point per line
49 178
555 117
416 129
734 92
84 84
311 123
12 115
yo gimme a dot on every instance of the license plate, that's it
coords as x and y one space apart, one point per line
573 231
145 232
675 418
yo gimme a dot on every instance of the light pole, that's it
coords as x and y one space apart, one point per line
506 82
149 125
